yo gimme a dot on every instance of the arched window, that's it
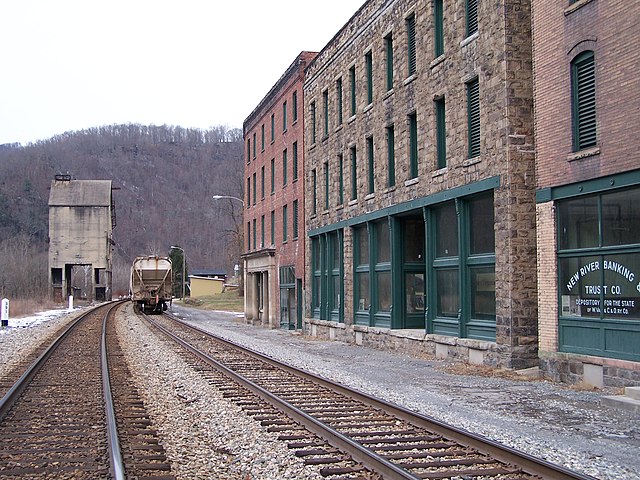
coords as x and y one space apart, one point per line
583 91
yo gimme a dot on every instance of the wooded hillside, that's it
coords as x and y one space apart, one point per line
164 178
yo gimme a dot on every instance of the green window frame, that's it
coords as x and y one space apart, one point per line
339 101
368 63
473 118
388 48
326 185
362 275
352 84
371 165
391 155
295 161
294 106
249 191
284 167
284 116
254 145
316 275
273 227
325 105
248 150
413 145
438 28
314 189
284 224
249 235
471 10
441 133
254 233
273 175
295 219
262 231
313 122
327 282
273 127
255 188
262 136
583 92
354 172
340 179
262 183
411 45
598 253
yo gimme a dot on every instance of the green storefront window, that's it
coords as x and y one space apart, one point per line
447 298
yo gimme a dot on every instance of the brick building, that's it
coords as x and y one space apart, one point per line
588 189
419 166
274 203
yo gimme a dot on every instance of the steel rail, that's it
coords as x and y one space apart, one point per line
115 454
359 453
503 453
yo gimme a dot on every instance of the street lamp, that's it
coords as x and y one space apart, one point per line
183 263
219 197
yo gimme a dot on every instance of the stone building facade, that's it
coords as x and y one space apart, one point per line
274 203
588 189
419 166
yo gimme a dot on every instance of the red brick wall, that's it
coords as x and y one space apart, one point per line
560 32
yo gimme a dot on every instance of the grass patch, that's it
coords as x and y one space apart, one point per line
228 301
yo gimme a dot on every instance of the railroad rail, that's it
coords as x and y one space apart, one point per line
74 413
354 434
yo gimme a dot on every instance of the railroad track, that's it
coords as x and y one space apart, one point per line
75 414
350 434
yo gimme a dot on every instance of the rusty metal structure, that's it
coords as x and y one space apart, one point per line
81 221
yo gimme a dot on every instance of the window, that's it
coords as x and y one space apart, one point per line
262 231
411 44
382 269
438 28
273 227
413 145
583 86
441 134
273 175
388 47
248 150
339 100
284 167
254 233
284 223
314 186
313 122
371 166
249 191
294 101
325 104
254 145
326 185
354 172
295 161
362 291
368 62
472 16
248 235
316 279
262 183
391 156
262 136
340 179
352 83
273 128
599 273
295 219
473 117
255 188
284 116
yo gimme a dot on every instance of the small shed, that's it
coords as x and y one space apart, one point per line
206 282
81 222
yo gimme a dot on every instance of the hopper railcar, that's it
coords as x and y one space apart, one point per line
151 283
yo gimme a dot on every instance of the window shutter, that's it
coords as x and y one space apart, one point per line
584 101
472 17
473 105
411 40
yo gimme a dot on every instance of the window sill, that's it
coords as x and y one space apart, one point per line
325 212
370 196
469 39
353 202
576 6
387 94
471 161
586 153
312 146
338 128
325 137
367 108
410 79
412 181
351 119
339 207
437 61
440 172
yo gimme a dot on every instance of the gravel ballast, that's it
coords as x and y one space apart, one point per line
205 436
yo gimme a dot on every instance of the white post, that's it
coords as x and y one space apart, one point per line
70 302
4 313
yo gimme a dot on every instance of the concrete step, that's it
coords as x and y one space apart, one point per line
623 402
633 392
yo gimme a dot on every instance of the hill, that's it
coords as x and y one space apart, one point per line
164 178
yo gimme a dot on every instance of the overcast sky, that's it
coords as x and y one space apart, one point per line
74 64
